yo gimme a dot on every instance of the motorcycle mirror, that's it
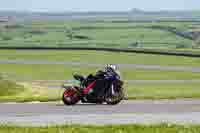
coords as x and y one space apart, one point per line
74 73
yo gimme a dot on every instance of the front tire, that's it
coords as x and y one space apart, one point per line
113 101
71 96
116 99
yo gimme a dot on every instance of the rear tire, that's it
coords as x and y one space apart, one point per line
71 96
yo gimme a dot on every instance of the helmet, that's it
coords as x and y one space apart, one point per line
109 67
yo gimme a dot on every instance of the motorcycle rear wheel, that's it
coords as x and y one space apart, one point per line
71 96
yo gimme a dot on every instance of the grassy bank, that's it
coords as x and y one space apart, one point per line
9 88
164 128
23 92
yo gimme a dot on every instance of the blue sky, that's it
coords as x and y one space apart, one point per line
97 5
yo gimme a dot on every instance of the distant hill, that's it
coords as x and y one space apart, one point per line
166 13
134 13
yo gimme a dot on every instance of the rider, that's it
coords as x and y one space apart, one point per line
108 69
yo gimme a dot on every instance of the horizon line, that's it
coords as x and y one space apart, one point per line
101 11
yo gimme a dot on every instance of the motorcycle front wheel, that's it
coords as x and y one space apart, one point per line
113 100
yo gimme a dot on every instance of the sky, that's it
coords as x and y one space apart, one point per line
97 5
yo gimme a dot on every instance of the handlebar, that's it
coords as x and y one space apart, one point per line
78 77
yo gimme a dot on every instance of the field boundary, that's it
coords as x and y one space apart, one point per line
139 50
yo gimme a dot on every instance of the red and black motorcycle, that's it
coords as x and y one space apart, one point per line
105 87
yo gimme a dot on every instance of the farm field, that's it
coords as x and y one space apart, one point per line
157 35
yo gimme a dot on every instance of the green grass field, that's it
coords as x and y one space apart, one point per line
27 91
162 90
164 128
95 34
63 72
100 57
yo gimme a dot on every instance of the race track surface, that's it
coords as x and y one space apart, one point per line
144 111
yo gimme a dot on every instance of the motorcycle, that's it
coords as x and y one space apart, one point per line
107 88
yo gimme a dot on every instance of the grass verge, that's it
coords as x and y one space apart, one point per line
162 91
31 93
100 57
162 128
63 72
137 91
9 88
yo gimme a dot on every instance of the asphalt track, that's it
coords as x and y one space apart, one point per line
142 112
89 64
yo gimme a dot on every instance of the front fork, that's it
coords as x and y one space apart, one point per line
112 89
